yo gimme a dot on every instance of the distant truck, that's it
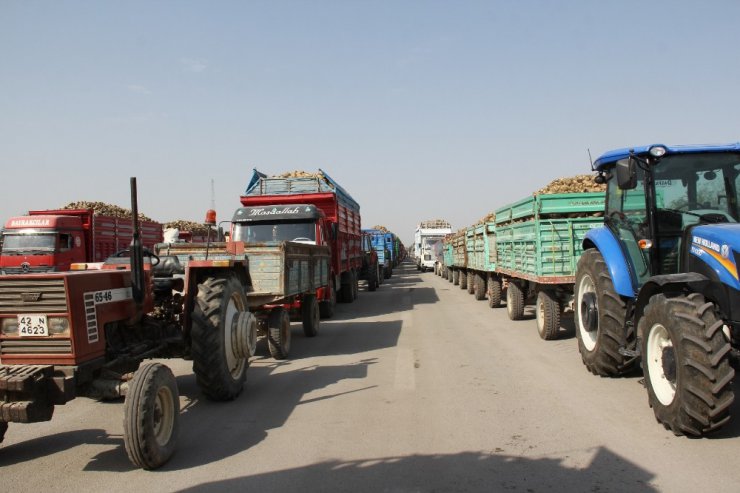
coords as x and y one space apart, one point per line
334 221
52 240
428 241
382 242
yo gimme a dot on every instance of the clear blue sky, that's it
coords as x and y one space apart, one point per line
420 109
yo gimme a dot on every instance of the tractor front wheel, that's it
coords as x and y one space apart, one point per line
686 361
151 413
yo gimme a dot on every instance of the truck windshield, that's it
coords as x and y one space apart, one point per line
28 242
274 232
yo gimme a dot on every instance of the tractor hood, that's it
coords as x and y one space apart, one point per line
719 246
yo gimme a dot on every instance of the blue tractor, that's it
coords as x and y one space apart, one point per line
658 283
384 248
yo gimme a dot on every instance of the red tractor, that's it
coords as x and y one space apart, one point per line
87 332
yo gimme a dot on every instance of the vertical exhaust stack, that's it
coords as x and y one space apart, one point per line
137 251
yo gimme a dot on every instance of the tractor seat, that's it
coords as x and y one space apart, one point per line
168 266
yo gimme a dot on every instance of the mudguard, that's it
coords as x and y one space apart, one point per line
605 242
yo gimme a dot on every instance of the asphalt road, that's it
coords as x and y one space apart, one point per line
414 387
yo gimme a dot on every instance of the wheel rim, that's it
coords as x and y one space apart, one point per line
540 309
661 364
234 364
588 337
163 418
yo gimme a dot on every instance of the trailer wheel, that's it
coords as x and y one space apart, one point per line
600 318
494 292
150 416
455 277
548 310
326 307
220 370
471 282
686 361
480 286
345 290
278 333
3 429
514 301
463 279
310 315
355 285
372 282
388 272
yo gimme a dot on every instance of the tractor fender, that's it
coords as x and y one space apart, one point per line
604 241
669 283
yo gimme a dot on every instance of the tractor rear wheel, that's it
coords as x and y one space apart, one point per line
548 310
514 301
220 371
480 286
600 318
494 292
150 416
686 361
310 315
278 333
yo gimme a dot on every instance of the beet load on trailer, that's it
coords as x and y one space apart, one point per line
52 240
338 227
87 331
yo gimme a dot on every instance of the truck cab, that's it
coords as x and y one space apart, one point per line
36 244
300 223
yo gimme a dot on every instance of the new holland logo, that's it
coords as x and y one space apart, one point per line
26 267
30 297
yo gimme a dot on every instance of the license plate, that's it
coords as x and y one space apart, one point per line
32 326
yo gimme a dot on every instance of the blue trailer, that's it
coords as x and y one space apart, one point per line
384 248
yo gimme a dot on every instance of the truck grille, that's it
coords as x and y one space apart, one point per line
36 346
15 296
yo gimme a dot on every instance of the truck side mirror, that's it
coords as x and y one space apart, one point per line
626 174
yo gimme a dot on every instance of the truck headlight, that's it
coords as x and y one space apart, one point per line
657 151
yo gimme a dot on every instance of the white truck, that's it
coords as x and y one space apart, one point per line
427 242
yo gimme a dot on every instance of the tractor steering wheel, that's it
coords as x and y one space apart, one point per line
153 258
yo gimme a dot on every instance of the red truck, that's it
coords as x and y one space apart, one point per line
334 221
51 240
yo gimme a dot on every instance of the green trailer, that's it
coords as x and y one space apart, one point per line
538 244
459 259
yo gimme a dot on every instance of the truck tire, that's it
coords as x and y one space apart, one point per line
600 318
310 315
455 277
278 333
471 282
151 414
355 285
463 280
514 301
3 429
480 286
346 289
372 281
494 292
449 274
327 307
548 310
686 361
219 372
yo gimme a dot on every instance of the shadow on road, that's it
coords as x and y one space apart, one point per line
467 471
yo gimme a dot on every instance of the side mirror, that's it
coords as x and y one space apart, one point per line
626 174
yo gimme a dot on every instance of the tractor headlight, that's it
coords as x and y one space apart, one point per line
658 151
9 326
58 326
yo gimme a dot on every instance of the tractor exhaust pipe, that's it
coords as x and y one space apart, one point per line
137 251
